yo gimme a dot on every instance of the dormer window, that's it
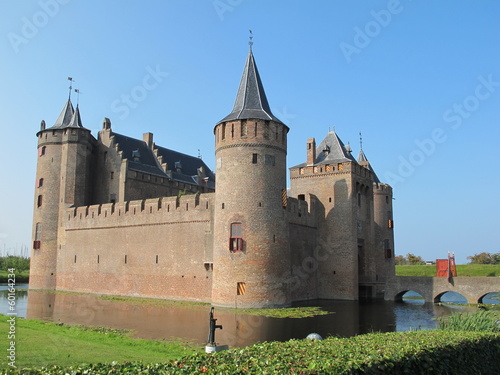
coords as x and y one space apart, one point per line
136 155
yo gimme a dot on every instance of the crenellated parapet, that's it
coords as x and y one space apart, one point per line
192 207
301 213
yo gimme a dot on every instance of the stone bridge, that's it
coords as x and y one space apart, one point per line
432 288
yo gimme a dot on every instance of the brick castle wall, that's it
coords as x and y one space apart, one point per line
158 247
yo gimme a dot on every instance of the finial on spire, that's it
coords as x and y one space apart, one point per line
250 43
70 86
360 141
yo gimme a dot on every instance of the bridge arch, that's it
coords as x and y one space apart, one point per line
489 295
399 296
438 297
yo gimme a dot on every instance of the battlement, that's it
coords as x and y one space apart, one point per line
249 132
300 212
141 212
381 188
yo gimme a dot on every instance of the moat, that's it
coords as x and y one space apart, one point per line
190 322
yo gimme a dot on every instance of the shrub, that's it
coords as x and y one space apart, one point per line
421 352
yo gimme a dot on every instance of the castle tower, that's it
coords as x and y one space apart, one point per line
384 224
62 180
251 239
342 194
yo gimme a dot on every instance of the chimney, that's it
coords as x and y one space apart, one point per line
148 138
106 123
311 151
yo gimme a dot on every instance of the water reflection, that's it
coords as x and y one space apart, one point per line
150 321
20 298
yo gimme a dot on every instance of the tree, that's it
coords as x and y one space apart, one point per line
400 260
414 259
485 258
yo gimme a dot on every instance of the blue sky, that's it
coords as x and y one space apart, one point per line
419 79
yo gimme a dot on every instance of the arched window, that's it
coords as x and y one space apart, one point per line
236 239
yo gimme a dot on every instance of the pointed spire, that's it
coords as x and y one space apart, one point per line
76 121
65 117
363 161
251 101
362 157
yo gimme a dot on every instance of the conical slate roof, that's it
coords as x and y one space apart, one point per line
76 121
363 160
362 157
251 101
66 115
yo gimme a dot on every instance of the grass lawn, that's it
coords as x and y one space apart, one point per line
42 344
462 270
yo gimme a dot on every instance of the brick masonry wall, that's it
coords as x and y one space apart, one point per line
154 248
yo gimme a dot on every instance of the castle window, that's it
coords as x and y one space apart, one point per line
39 201
42 150
241 288
387 199
75 259
301 197
232 130
387 249
301 170
125 259
270 160
223 131
39 182
266 130
236 240
243 128
98 259
112 175
38 235
157 259
254 158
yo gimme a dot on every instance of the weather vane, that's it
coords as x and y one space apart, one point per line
70 86
78 96
360 141
250 43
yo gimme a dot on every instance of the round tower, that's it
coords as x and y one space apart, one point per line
62 180
384 233
251 233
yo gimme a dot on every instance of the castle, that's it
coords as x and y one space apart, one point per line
122 216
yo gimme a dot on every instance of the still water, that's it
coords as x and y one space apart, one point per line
347 318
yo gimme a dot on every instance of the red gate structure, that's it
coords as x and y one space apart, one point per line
446 267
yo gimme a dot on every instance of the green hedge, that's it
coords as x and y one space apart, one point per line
421 352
